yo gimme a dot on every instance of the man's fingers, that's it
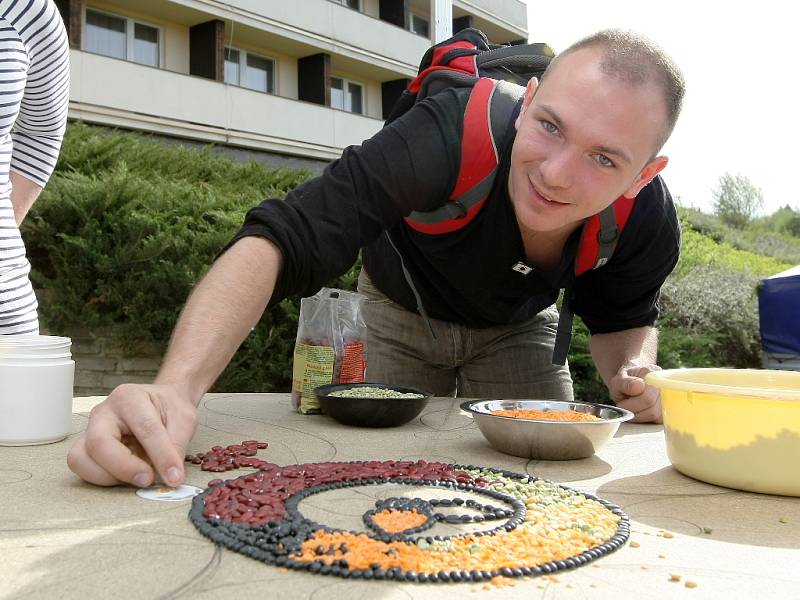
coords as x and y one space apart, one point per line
181 423
135 435
633 386
87 469
646 406
103 442
146 425
644 409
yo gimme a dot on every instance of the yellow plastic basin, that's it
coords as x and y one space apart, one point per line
738 428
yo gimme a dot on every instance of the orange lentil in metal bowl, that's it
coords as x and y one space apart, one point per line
546 415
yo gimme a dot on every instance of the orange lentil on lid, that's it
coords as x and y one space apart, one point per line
546 415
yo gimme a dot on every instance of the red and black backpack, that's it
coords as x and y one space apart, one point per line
495 74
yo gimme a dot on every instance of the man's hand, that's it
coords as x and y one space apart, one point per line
629 391
137 435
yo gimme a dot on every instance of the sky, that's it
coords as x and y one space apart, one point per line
741 113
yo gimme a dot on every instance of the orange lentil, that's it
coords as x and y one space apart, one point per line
395 521
546 415
674 577
527 544
500 581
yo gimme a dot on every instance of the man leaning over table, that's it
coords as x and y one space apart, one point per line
590 132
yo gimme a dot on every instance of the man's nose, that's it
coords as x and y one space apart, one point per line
557 170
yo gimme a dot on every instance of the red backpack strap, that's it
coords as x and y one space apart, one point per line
598 241
600 234
487 118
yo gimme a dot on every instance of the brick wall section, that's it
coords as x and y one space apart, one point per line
100 366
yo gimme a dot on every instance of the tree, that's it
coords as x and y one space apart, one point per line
736 200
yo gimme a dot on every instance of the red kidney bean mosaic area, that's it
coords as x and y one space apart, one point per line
491 523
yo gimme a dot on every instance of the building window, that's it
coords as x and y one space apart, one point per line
249 70
145 45
354 4
419 25
347 95
120 37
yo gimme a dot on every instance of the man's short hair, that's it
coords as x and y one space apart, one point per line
636 60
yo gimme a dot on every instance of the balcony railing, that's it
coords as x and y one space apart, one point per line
115 92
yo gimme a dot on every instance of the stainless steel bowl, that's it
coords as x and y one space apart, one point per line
546 440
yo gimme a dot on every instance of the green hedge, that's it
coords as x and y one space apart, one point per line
128 225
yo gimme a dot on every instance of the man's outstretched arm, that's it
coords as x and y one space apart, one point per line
139 434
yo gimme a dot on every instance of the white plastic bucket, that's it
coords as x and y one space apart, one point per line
36 382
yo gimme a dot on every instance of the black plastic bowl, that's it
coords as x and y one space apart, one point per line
371 412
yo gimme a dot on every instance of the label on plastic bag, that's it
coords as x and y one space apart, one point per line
330 345
313 367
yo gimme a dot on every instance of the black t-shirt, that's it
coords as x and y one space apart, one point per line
465 276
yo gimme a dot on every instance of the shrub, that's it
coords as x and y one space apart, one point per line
774 236
588 386
711 314
128 225
698 250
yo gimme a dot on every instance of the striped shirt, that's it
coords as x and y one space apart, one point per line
34 97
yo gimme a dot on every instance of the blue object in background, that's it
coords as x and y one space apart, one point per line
779 317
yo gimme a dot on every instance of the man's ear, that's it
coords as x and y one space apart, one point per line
530 90
646 175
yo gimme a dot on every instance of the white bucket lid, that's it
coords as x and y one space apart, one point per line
18 348
34 341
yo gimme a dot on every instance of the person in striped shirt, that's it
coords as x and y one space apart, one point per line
34 97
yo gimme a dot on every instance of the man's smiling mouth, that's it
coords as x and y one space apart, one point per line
544 197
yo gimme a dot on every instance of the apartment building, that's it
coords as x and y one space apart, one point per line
298 78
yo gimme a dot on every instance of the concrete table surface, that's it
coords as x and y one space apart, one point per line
61 538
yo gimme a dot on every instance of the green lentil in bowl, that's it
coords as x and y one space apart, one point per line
373 392
371 404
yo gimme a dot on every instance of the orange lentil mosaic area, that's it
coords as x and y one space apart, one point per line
395 521
546 415
521 525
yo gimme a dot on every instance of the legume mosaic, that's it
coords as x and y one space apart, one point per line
536 526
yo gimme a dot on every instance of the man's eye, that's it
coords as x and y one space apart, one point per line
603 160
549 127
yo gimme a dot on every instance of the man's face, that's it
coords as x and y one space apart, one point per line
583 139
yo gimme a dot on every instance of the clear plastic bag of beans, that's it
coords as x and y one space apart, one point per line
330 346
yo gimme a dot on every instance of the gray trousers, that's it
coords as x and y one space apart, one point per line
508 361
